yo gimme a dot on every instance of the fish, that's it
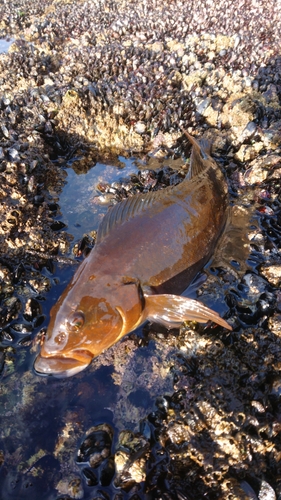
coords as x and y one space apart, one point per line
148 249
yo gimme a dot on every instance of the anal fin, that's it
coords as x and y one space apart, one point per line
172 310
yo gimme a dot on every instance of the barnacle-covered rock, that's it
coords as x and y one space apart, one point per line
96 446
130 459
238 112
71 486
272 272
261 168
79 83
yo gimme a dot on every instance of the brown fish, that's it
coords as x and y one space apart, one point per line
149 248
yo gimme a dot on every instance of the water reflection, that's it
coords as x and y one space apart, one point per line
5 44
81 210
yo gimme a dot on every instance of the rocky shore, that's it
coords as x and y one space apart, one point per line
86 81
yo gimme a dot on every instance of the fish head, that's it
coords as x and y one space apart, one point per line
81 327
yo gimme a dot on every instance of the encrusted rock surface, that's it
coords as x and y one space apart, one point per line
180 415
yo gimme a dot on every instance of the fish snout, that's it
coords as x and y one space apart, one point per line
55 342
60 366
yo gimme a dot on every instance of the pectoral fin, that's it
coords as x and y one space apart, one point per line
172 310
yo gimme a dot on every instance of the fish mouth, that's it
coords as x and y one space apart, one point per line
62 366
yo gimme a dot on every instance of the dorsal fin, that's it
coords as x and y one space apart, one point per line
200 155
131 207
127 209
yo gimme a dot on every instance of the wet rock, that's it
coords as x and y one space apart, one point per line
248 152
247 133
260 169
256 300
266 492
272 135
96 447
90 477
202 106
140 127
130 459
275 324
275 390
256 287
233 489
238 113
58 225
71 486
13 155
272 272
107 472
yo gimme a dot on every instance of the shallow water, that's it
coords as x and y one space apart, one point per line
5 44
79 199
44 420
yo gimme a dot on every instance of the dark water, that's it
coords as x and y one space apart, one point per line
44 420
36 411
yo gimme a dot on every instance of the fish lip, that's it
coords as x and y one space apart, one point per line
62 366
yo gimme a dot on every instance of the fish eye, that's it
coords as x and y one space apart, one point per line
75 321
